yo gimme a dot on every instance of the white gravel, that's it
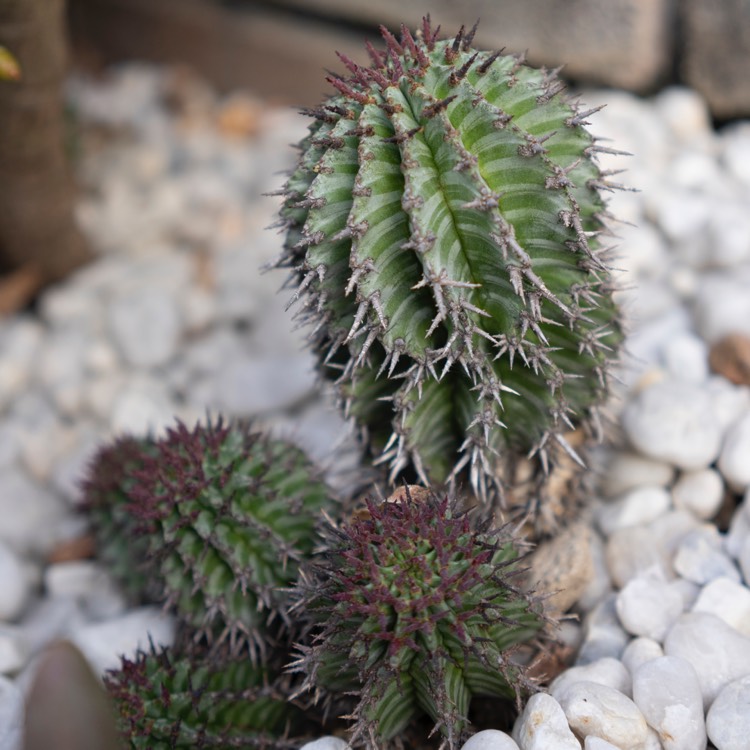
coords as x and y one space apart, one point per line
173 320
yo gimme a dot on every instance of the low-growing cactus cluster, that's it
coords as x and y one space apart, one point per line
442 227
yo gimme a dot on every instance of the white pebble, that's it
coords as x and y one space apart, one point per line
248 386
718 653
326 743
31 526
722 306
673 421
146 326
699 492
490 739
102 643
700 557
667 692
605 712
543 725
11 715
14 649
638 506
648 606
686 358
739 529
14 590
597 743
728 719
728 399
632 551
728 600
605 671
626 470
733 463
639 651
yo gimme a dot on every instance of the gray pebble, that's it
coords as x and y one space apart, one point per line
717 652
11 715
673 421
667 691
728 719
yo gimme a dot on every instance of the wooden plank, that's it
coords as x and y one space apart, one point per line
276 56
625 43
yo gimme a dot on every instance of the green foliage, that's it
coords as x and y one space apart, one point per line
415 608
442 227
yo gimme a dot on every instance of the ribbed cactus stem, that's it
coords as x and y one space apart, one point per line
442 227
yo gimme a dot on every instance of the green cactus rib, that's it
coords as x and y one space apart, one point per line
413 608
442 227
228 515
165 700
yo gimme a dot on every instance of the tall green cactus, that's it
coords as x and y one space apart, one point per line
413 608
442 227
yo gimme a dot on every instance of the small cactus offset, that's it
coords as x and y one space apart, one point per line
414 609
442 229
165 700
227 514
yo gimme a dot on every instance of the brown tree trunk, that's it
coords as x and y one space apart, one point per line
37 229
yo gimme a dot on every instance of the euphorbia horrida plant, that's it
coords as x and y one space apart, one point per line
165 700
222 517
414 608
442 230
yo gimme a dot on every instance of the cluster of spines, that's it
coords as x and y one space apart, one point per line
413 608
361 199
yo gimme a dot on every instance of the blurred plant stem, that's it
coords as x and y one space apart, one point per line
37 227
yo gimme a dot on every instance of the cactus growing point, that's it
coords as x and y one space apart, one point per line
443 228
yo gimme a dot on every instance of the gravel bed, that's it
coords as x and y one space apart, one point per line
174 320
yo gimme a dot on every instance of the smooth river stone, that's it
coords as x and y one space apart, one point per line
717 652
543 725
666 690
728 719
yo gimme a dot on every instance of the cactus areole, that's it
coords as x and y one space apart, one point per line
442 231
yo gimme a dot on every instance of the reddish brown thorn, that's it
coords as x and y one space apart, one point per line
401 137
485 66
458 75
377 57
416 51
429 40
394 48
319 114
378 77
470 36
348 91
433 109
348 62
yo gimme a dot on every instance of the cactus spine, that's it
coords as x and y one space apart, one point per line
442 228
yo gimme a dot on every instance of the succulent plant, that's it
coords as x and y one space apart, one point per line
165 701
111 476
442 228
414 607
226 515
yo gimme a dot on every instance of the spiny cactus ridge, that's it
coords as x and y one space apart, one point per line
227 515
413 607
165 700
106 489
442 228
